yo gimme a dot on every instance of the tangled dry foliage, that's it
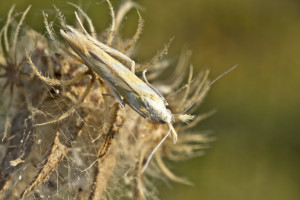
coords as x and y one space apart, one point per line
62 138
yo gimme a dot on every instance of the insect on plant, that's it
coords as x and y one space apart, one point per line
71 125
126 87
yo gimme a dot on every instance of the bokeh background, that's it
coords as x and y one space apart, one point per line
256 154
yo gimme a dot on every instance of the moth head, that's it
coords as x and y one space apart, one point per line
156 109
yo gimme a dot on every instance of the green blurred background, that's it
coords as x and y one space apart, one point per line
256 154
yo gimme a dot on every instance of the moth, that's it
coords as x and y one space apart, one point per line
125 85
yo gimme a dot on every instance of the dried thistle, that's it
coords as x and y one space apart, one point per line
65 138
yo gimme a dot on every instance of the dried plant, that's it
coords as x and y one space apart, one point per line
65 137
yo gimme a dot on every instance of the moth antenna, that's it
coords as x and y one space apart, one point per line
208 86
154 150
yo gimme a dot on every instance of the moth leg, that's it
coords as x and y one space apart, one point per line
118 54
132 67
117 96
153 88
111 51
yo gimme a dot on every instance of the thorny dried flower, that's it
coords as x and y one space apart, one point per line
64 137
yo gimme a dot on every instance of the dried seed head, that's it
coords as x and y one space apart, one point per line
62 129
